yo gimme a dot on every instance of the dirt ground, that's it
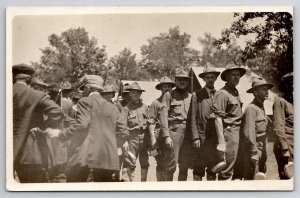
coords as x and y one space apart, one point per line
271 173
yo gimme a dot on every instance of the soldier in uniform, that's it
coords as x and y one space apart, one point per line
202 126
165 85
93 148
227 107
283 127
137 115
173 117
31 155
252 154
38 84
108 92
66 102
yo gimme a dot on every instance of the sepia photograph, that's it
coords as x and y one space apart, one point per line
166 98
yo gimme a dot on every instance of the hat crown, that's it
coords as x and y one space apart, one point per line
38 81
93 80
181 72
22 69
256 81
135 86
209 68
165 79
109 88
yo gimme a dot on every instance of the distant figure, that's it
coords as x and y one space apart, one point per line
66 102
173 118
157 141
76 97
283 127
108 92
137 115
38 84
202 126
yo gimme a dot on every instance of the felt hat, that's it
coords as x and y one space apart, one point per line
209 69
230 67
165 80
259 82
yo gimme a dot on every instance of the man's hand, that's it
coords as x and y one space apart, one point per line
221 147
169 143
196 144
254 159
125 146
52 133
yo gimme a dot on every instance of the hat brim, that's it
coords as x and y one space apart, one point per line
141 90
205 73
270 86
224 73
158 86
91 85
183 77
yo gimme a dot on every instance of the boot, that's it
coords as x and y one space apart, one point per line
124 176
131 175
159 175
144 174
197 178
182 176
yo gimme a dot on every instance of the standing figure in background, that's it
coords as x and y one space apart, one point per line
227 107
38 84
108 92
202 126
157 142
76 97
137 116
173 118
283 127
66 102
30 149
252 154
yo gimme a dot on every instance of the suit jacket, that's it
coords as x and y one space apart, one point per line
200 109
29 108
93 136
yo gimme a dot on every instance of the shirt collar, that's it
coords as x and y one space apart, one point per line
231 89
20 82
260 105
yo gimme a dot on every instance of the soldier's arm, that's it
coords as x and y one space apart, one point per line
82 121
248 129
219 107
164 114
122 132
279 124
193 114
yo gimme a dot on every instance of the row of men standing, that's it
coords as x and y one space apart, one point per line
199 131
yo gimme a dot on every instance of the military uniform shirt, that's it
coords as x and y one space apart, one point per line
175 108
227 104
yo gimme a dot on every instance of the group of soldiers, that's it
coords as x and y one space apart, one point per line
92 138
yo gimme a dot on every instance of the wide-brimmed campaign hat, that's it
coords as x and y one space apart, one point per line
230 67
108 88
181 73
165 80
22 69
94 81
209 69
259 82
37 81
135 86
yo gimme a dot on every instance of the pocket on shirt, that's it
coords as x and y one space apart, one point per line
176 107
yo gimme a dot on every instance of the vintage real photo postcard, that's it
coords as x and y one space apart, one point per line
149 98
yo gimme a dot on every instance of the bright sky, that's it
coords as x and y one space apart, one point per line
115 31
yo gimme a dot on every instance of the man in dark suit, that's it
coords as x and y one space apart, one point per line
93 148
30 107
201 125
